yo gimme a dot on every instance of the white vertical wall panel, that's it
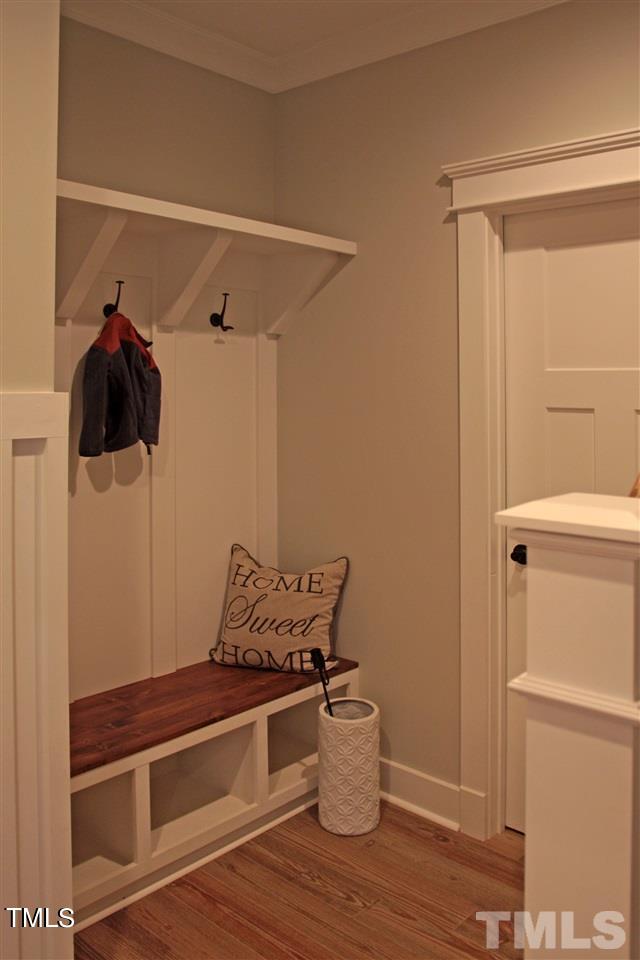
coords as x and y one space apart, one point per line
150 537
10 942
109 525
163 512
35 867
216 461
267 427
35 727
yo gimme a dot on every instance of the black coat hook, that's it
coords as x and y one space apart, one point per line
110 308
217 319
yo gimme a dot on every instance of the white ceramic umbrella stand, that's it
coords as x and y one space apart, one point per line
349 766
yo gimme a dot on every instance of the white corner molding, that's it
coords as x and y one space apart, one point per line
484 191
556 172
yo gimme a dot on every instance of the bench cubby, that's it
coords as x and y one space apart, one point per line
103 831
292 735
171 771
197 790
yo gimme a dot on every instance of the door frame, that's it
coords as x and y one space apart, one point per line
483 192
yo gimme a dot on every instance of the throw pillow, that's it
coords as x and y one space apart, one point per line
272 620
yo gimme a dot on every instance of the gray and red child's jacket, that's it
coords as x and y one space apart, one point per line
121 391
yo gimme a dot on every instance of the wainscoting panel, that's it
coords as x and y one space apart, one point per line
36 868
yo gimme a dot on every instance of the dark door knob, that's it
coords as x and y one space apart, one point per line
519 554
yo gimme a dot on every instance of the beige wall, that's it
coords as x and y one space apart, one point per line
135 120
29 93
368 379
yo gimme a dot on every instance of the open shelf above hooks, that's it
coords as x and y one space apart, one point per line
191 243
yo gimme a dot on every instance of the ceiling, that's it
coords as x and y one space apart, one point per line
280 44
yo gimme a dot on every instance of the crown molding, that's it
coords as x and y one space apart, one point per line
141 22
555 151
594 169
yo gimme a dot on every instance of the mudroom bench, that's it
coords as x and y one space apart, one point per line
170 771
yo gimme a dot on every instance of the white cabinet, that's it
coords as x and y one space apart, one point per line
582 689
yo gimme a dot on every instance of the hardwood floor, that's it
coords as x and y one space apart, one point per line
407 891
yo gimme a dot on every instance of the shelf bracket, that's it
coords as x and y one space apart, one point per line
108 231
293 281
180 283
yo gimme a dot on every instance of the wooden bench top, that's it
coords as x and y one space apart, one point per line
116 723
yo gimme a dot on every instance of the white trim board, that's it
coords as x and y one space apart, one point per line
627 711
33 416
552 171
483 192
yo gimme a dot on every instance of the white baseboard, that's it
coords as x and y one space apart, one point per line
420 793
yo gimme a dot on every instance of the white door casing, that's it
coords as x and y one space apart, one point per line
595 170
572 365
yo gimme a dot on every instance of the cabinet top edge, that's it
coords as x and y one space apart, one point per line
591 515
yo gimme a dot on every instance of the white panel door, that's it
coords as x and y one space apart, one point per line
572 327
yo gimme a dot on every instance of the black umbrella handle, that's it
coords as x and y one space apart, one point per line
317 658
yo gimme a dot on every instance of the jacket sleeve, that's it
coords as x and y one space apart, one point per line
94 402
147 386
